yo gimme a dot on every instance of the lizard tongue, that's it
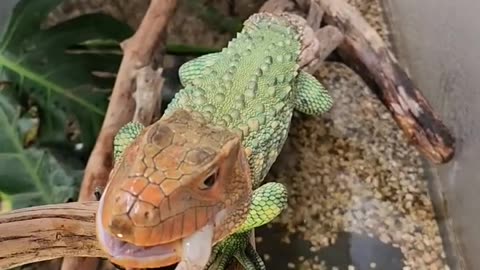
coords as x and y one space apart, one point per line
196 249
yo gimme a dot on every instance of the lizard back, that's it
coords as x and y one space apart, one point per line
249 87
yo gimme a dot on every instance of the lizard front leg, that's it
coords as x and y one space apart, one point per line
268 201
194 68
311 97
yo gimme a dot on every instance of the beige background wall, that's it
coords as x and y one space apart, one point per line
440 42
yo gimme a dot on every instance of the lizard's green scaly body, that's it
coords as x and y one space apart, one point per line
251 88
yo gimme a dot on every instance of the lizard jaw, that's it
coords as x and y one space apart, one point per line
129 255
193 250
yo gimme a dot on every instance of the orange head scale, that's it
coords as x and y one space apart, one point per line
175 180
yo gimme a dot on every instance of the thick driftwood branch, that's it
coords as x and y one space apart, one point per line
138 52
48 232
365 52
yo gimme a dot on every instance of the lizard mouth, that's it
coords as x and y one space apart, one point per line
129 255
193 250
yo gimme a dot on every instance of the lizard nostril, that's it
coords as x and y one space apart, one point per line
120 226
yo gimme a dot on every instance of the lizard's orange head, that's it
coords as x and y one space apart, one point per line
177 177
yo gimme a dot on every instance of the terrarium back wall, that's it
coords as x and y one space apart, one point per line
439 40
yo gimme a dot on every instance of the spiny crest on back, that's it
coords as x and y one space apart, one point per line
280 31
276 32
248 80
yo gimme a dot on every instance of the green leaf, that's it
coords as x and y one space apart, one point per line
30 176
46 74
61 83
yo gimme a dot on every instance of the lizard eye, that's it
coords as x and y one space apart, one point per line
209 182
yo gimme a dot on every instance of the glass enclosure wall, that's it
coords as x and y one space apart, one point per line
439 41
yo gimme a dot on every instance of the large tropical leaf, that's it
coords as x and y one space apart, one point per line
30 176
46 77
59 82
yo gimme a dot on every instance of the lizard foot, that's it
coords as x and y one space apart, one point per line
237 246
268 201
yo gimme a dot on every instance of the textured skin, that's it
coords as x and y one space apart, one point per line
249 89
124 138
268 202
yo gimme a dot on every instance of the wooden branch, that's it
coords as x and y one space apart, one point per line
365 52
48 232
139 52
148 95
329 38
